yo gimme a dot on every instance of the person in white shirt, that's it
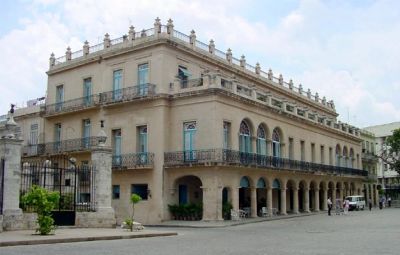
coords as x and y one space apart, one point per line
329 202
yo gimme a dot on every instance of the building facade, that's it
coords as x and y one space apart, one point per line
387 178
190 124
369 161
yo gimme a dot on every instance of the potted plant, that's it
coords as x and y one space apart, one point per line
226 210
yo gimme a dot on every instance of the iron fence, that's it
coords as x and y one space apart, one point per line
73 183
231 157
133 160
128 94
71 145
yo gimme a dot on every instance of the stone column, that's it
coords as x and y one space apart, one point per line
235 198
341 194
306 200
10 152
334 197
269 200
316 201
295 200
253 202
104 215
283 201
212 202
325 199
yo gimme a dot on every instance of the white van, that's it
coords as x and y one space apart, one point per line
356 202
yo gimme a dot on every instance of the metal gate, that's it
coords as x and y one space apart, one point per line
74 183
2 163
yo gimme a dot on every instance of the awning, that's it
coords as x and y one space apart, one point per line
185 71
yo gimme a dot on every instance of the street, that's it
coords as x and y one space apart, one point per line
360 232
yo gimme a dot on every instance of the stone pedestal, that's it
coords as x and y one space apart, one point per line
10 152
104 216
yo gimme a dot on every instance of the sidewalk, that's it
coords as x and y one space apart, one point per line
69 235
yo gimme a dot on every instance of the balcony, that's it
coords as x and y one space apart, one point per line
133 161
128 94
105 98
71 105
72 145
231 157
369 156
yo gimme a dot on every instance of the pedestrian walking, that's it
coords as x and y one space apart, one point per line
381 201
370 203
329 202
346 205
389 200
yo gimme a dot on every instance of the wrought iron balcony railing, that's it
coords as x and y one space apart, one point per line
133 160
72 105
115 96
231 157
128 94
72 145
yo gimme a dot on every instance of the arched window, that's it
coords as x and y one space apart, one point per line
351 158
276 144
338 155
261 184
261 141
276 184
244 138
244 182
345 157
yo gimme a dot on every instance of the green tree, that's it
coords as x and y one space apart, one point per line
390 153
135 198
43 202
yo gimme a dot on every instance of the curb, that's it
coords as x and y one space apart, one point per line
83 239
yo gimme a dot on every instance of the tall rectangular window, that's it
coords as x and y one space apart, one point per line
322 154
87 91
143 79
183 75
116 191
117 84
291 149
313 152
330 156
86 133
189 140
57 136
59 97
33 139
140 189
116 145
302 151
227 135
142 144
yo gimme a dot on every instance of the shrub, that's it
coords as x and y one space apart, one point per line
43 202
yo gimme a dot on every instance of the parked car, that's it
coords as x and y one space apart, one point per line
356 202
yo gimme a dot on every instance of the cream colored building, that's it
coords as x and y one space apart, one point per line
370 163
191 124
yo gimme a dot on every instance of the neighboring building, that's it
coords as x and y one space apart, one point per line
388 178
369 163
191 124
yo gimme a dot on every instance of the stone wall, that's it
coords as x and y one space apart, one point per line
95 219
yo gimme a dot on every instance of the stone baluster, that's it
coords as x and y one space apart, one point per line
270 74
309 94
107 41
143 33
131 33
170 27
211 46
280 80
52 60
243 61
68 54
157 26
291 84
192 38
86 48
229 55
324 100
316 97
258 68
300 89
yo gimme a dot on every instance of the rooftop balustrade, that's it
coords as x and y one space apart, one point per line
232 157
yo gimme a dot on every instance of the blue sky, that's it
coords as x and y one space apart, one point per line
344 50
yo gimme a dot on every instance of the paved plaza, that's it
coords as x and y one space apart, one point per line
363 232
